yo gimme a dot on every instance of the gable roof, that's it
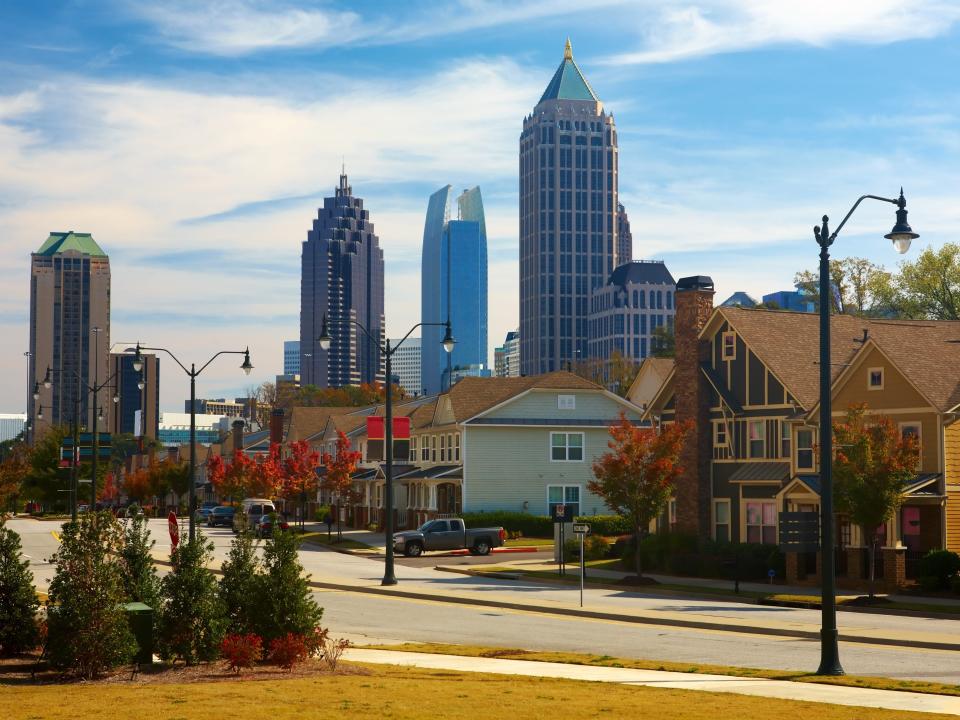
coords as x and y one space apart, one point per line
474 395
305 422
568 83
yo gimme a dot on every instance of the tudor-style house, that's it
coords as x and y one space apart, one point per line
748 379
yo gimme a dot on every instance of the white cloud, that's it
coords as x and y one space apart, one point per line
681 29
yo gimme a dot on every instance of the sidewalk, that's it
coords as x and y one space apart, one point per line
810 692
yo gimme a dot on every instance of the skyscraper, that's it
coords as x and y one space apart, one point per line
342 278
136 410
453 283
69 329
291 357
568 218
406 365
624 237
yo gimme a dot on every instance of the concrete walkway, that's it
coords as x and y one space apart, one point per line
781 689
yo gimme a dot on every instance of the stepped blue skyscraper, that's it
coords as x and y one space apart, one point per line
453 280
342 278
568 218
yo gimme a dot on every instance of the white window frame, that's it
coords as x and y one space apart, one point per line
456 446
720 428
713 519
567 435
566 402
723 345
870 372
797 449
565 487
743 518
786 436
443 448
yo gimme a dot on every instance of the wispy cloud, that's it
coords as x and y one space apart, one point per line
680 29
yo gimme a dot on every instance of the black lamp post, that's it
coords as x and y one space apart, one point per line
192 374
389 577
901 236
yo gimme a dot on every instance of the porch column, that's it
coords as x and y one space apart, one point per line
793 567
894 567
433 496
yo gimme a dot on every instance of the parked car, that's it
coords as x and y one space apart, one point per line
204 510
449 534
250 512
264 526
222 515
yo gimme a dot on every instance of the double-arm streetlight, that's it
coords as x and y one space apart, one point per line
192 373
901 236
389 577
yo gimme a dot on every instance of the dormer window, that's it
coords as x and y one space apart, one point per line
729 347
566 402
875 379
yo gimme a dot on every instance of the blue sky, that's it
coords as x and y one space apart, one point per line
196 139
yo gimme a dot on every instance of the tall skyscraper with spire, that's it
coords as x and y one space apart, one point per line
342 278
568 218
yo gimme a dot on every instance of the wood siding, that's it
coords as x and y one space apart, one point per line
952 476
540 404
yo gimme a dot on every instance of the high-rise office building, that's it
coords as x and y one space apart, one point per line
137 410
342 278
507 356
568 217
624 237
291 357
11 425
69 330
453 284
406 365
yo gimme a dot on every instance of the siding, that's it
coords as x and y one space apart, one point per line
952 476
543 404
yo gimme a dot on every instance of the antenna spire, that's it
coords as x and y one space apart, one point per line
568 51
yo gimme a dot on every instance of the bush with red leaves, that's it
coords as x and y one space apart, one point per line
288 650
241 651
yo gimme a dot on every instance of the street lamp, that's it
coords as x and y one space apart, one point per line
901 236
389 577
192 373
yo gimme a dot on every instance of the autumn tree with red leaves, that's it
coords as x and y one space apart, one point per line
300 474
340 468
266 479
137 485
230 480
872 466
636 478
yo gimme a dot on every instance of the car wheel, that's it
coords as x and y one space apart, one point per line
413 549
481 547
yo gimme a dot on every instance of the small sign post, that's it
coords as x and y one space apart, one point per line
562 514
581 529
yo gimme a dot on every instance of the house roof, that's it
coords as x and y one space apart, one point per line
59 242
305 422
568 83
641 271
473 395
927 352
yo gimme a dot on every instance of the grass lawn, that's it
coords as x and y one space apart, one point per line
530 542
400 693
876 683
320 538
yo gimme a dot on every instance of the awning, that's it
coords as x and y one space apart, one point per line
775 473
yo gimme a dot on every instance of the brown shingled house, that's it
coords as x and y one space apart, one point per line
749 380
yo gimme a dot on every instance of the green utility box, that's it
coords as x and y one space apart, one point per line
140 617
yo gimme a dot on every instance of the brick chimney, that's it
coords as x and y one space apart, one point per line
694 306
237 431
276 426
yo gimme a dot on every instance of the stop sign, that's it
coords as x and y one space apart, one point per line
174 529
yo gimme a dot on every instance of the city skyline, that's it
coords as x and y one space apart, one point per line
717 185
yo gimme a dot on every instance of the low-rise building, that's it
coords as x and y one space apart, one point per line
506 358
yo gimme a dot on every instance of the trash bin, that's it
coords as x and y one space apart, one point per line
140 617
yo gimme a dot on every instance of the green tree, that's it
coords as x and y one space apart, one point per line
44 478
192 621
18 599
286 603
929 287
865 288
873 465
87 626
239 585
139 574
663 342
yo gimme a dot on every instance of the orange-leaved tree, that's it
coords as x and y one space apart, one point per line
636 477
872 466
137 486
300 474
230 480
339 471
266 478
13 470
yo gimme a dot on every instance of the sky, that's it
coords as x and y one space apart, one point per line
196 138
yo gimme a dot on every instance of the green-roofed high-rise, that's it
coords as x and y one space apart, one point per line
568 218
69 330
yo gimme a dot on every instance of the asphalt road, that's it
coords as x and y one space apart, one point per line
362 616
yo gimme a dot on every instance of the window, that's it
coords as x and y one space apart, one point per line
912 429
413 449
720 434
805 449
762 522
563 495
456 447
672 513
875 379
784 439
425 449
729 340
757 438
566 402
566 447
433 448
443 448
721 520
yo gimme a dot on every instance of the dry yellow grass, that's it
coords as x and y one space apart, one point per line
401 693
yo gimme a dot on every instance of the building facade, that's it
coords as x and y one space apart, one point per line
568 218
406 365
174 429
136 410
219 406
342 279
11 425
637 299
69 329
624 236
453 284
795 300
291 357
506 358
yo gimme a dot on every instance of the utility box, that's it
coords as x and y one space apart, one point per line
140 617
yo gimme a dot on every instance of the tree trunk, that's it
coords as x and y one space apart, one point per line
637 559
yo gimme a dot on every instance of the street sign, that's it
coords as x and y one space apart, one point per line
174 529
581 529
562 513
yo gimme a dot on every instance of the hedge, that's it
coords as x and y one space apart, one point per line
528 525
607 525
683 554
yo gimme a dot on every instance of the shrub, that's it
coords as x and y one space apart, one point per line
239 586
241 651
607 525
955 584
941 566
320 513
538 526
594 548
139 575
18 599
332 650
88 631
683 554
288 650
192 623
286 604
